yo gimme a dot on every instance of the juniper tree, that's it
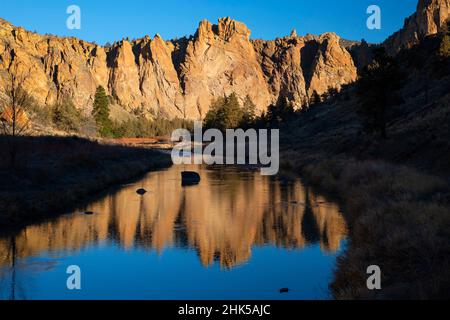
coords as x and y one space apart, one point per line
100 112
248 112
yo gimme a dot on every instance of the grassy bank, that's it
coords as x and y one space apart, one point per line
399 220
52 175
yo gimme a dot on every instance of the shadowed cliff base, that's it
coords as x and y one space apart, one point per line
51 174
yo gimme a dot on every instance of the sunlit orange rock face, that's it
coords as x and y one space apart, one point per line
223 219
177 77
429 18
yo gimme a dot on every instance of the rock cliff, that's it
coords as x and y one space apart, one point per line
427 20
177 78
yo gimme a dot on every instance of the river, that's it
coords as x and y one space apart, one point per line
236 235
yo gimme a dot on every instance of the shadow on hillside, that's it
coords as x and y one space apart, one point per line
418 125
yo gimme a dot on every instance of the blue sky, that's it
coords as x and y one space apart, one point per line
107 21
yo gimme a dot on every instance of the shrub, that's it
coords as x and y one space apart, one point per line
66 117
142 127
41 114
444 48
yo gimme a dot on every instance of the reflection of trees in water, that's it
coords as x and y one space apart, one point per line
180 232
222 218
310 229
10 280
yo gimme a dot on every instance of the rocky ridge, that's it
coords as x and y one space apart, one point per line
179 78
176 78
428 19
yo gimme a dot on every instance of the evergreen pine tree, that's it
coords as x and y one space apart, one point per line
100 112
232 112
248 112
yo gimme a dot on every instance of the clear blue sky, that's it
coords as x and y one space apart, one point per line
110 20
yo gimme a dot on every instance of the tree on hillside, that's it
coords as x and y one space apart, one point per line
100 112
224 113
248 113
14 105
211 119
232 112
279 113
444 48
376 91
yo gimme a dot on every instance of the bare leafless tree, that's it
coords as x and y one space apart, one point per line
14 104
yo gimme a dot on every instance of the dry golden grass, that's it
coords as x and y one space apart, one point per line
399 219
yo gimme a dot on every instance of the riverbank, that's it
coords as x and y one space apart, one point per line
399 219
53 175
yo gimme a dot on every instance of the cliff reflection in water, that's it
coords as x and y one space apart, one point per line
223 217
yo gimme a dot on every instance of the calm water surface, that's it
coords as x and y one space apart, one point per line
237 235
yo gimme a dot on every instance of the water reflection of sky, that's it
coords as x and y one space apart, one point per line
237 235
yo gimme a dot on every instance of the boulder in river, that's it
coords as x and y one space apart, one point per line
141 192
189 178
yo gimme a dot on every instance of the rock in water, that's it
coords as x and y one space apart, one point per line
189 178
141 192
284 290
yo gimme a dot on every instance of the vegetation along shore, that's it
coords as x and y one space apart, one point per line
54 174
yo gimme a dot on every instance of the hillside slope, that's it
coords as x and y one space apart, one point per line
418 128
